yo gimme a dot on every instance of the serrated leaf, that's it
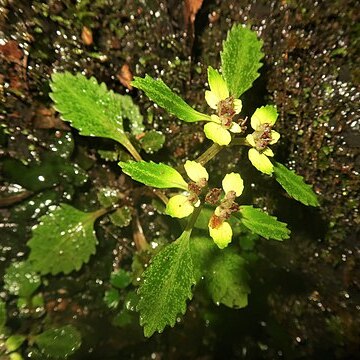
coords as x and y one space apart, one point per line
108 196
227 280
131 112
109 155
2 315
21 280
121 217
167 286
120 279
240 59
294 185
63 240
161 94
112 298
263 224
60 342
92 108
157 175
152 141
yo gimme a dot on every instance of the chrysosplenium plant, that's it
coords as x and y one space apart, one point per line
211 253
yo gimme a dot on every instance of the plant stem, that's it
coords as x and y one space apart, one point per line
161 196
213 150
240 141
130 147
101 212
138 235
193 219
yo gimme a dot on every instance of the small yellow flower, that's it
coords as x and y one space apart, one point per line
218 98
181 205
219 229
221 235
262 122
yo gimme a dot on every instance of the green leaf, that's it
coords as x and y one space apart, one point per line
123 318
112 298
202 221
157 175
120 279
203 251
227 280
63 240
240 59
92 108
167 286
152 141
131 112
294 185
14 342
21 280
121 217
60 342
2 315
109 196
263 224
109 155
162 95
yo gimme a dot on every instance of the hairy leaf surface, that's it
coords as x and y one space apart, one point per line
21 280
227 280
294 185
167 286
93 109
240 59
59 342
63 240
161 94
157 175
263 224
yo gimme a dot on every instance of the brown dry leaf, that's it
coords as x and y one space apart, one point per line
191 9
11 52
87 36
125 76
45 118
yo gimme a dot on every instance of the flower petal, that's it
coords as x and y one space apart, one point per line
222 235
179 206
235 128
217 84
264 115
233 182
268 152
211 99
260 161
217 133
237 106
275 136
250 139
215 119
195 171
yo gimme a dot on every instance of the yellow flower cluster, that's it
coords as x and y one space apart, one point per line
183 205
